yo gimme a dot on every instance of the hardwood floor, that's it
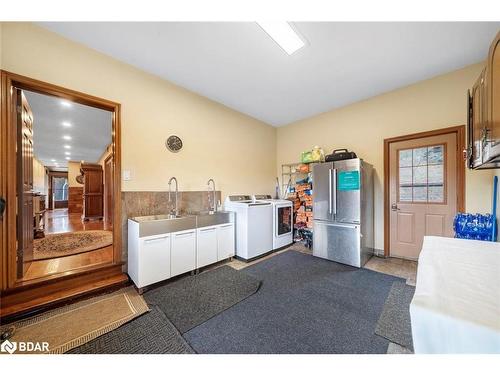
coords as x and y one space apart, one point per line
59 221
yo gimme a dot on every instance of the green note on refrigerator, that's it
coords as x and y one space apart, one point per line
348 180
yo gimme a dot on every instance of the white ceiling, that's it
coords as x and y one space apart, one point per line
90 130
237 64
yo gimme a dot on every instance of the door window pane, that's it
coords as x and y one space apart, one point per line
436 176
436 154
420 194
405 176
419 156
421 174
405 158
436 194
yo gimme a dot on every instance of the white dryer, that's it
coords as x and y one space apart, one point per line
282 220
254 223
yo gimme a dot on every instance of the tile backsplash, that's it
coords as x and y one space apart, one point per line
144 203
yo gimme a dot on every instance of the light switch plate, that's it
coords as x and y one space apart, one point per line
126 175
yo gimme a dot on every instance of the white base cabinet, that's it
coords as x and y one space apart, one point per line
225 241
183 252
214 243
206 250
156 258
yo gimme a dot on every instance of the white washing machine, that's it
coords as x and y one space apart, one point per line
282 220
254 226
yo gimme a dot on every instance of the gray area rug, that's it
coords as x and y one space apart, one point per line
394 323
305 305
151 333
193 300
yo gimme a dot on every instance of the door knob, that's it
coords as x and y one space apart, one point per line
394 207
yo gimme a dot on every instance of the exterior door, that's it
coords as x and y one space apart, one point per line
60 190
25 218
108 190
423 191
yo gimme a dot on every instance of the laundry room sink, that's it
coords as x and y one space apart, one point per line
209 218
160 224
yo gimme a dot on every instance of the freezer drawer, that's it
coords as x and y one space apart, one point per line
338 242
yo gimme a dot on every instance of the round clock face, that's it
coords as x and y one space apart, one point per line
174 143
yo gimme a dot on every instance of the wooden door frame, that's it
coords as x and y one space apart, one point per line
9 81
105 200
459 132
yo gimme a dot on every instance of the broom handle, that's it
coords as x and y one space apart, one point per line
494 213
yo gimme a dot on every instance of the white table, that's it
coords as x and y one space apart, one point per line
456 307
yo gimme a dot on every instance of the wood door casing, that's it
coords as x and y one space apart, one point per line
18 295
25 224
108 190
430 208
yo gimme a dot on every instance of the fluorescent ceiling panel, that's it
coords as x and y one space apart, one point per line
284 35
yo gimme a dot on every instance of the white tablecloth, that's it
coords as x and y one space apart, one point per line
456 307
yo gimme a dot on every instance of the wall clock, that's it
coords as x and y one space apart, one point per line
173 143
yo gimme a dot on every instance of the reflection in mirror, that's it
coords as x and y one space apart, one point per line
64 185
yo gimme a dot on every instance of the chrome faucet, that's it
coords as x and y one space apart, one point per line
214 198
176 194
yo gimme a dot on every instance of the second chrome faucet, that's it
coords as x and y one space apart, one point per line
214 195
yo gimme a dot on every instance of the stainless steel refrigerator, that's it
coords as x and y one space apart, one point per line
343 211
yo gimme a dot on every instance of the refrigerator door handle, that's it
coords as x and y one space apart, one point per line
330 208
333 181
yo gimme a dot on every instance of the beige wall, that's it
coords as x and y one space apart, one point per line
39 177
362 127
238 151
73 172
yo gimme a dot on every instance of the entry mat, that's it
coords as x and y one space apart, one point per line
151 333
394 323
192 300
69 326
304 305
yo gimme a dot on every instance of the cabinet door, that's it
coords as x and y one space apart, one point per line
206 246
154 259
225 241
183 252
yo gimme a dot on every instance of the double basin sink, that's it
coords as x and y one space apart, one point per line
160 224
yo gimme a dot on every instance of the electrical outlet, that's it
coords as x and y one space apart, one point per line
126 175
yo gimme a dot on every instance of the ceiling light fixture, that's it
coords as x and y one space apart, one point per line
67 153
66 124
65 103
67 158
67 137
52 160
67 146
284 35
